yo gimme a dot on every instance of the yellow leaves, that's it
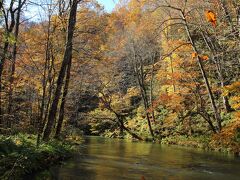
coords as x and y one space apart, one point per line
18 142
59 22
103 48
133 91
234 91
235 87
211 17
236 102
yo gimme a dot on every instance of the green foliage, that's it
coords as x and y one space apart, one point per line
189 141
237 136
9 37
227 118
20 156
103 122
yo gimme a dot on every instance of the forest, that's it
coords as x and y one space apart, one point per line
161 71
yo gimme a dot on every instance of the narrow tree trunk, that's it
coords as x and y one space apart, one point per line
139 72
204 75
51 87
62 107
145 102
9 20
229 18
144 96
207 118
14 56
238 16
172 71
65 63
151 91
121 124
4 56
146 107
41 123
219 71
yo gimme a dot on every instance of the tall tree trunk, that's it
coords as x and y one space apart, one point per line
65 63
139 72
204 75
14 56
145 99
3 59
219 68
10 22
62 107
228 18
151 90
238 15
172 72
41 123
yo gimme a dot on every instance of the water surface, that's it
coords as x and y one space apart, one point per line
113 159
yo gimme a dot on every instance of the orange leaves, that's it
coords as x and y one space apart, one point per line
211 17
205 58
202 57
194 55
171 101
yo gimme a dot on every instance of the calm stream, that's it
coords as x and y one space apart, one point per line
113 159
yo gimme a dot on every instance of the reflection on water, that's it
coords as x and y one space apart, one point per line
112 159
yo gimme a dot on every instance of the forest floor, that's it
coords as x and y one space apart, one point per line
20 156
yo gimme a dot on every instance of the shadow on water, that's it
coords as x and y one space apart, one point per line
113 159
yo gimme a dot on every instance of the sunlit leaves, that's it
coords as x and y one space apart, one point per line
205 58
233 91
211 17
9 37
194 55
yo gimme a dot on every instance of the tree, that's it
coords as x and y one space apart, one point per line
66 61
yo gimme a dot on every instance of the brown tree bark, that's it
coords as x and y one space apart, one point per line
14 55
65 63
219 68
62 107
121 125
204 75
151 89
9 20
138 69
46 73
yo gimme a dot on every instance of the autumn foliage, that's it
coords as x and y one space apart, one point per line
211 17
148 70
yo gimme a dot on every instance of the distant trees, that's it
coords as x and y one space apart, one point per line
188 58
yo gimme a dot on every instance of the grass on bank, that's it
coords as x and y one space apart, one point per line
20 156
227 141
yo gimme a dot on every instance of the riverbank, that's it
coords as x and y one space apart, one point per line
20 156
227 141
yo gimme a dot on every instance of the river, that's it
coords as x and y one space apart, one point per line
114 159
